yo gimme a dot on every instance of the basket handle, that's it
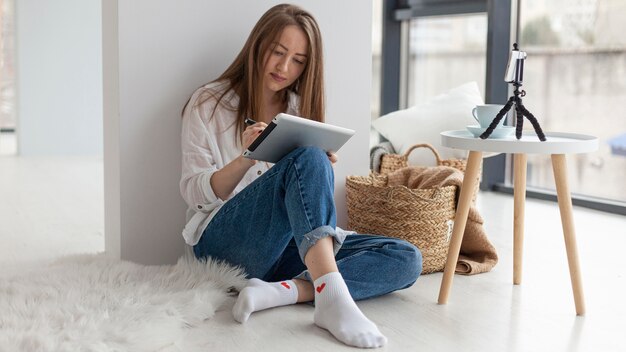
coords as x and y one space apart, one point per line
423 145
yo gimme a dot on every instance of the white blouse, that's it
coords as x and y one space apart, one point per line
208 144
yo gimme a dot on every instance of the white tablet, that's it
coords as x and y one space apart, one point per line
287 132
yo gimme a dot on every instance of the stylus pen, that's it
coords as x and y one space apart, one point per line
249 122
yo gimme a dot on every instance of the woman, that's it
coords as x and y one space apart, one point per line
278 222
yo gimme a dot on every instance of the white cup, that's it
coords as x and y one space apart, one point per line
484 114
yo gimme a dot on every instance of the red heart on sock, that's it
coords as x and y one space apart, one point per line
321 287
286 285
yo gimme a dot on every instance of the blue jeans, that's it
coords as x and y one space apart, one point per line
269 226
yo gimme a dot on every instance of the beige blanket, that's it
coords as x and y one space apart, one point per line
477 255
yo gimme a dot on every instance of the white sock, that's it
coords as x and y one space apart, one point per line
336 312
259 295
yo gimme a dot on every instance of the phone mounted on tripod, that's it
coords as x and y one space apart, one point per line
515 75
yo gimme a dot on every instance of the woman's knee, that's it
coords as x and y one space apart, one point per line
411 263
311 155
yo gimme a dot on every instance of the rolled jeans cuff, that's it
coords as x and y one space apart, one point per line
311 238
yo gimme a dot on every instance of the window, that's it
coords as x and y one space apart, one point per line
377 31
445 51
575 79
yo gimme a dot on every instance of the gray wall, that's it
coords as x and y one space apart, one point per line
156 53
59 73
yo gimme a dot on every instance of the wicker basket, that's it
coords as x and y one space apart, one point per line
393 162
423 217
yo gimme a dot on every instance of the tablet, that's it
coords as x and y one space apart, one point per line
287 132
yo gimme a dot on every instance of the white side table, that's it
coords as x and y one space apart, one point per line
557 145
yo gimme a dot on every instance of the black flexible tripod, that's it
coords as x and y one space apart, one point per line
515 76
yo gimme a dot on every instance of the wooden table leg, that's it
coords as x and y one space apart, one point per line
462 209
519 197
567 220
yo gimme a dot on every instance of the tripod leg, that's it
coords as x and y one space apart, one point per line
534 122
497 119
519 119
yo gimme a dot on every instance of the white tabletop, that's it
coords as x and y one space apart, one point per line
556 143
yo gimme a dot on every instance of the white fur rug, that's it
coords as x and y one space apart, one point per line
92 303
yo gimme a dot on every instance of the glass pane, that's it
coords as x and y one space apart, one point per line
445 51
575 80
377 40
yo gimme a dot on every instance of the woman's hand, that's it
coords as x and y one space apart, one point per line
251 133
332 157
247 137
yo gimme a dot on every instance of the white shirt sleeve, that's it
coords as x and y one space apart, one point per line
198 164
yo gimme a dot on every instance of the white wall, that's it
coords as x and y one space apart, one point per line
159 52
59 77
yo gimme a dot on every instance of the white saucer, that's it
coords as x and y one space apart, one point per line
500 132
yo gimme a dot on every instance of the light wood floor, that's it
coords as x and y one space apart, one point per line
53 206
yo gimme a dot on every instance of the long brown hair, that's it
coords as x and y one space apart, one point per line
244 77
